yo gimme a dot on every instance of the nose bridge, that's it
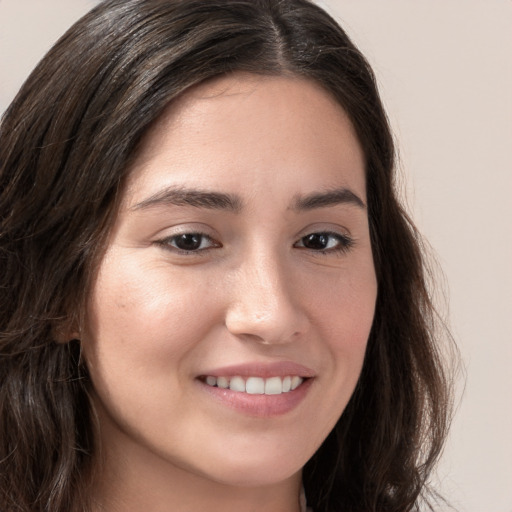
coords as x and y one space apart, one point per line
264 302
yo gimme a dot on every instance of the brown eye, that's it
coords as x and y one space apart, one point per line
316 241
190 242
325 242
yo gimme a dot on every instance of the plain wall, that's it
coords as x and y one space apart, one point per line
445 72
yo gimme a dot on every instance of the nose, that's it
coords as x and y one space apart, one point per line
266 303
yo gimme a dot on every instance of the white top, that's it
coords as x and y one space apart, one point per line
303 503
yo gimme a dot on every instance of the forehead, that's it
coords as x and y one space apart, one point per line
251 130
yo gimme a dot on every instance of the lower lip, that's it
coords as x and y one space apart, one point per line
262 406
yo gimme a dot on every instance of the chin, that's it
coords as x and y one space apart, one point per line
244 476
254 470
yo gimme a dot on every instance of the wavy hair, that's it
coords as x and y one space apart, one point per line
66 143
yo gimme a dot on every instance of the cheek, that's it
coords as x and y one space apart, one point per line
143 320
343 309
343 304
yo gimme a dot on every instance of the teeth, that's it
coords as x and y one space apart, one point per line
296 382
211 381
273 386
256 385
237 384
222 382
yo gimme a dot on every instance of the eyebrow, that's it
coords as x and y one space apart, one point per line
326 199
180 196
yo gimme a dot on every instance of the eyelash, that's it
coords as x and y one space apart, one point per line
343 243
167 243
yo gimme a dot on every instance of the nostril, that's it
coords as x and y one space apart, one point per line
281 323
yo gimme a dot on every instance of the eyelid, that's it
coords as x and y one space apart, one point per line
165 241
345 242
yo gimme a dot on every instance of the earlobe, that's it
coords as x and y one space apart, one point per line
65 332
63 338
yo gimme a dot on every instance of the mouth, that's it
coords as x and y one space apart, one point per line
259 389
253 385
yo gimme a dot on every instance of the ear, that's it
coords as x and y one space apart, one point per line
65 330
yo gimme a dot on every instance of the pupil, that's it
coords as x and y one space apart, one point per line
316 241
188 242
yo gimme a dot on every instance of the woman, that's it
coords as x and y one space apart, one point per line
211 296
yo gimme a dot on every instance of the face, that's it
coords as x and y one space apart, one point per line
228 321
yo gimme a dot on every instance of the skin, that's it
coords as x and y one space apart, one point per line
254 291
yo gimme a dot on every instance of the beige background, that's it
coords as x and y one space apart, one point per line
445 71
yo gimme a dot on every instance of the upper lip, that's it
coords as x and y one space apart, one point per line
263 370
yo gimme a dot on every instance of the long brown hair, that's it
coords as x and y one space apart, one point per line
66 143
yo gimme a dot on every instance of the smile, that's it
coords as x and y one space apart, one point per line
258 389
256 385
